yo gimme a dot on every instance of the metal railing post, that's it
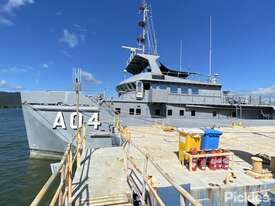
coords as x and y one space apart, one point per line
84 135
70 160
144 174
78 139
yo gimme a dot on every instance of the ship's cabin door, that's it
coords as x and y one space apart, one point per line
157 110
139 90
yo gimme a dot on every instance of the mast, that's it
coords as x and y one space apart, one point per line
143 24
77 87
147 38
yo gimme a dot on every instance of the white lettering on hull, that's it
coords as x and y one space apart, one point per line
94 121
73 120
60 122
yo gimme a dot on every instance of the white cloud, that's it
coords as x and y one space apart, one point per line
82 37
5 85
16 69
7 10
87 76
11 5
79 28
67 54
6 21
267 91
45 66
59 13
69 38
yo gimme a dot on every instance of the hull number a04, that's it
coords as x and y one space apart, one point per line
60 122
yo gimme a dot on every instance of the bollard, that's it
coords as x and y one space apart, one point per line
257 165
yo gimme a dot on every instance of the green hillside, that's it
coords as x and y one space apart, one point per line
10 99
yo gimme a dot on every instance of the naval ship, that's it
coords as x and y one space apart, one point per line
152 93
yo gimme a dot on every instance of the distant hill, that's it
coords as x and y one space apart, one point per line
10 99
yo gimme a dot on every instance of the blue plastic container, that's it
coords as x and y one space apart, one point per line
211 139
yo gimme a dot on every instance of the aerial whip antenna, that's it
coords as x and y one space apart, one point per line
210 48
180 55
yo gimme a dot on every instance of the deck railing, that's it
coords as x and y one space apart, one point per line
146 184
63 194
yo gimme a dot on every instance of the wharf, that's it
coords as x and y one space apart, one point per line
101 179
102 173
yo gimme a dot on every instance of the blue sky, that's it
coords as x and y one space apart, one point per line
43 40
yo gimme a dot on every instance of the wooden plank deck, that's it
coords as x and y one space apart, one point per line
101 179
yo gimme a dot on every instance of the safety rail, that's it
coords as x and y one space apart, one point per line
63 194
126 136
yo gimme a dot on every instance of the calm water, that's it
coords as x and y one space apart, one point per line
20 177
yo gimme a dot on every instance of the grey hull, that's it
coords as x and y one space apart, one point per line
44 140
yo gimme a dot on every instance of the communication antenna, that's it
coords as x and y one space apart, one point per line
77 87
180 55
77 79
210 48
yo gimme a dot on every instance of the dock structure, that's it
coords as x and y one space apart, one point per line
101 178
107 175
146 168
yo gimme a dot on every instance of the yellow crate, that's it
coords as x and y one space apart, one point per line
192 142
189 139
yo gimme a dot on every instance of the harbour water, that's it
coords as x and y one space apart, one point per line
20 177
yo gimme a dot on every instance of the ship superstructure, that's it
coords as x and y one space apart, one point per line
153 92
156 91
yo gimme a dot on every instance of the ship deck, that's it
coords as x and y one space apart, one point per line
103 173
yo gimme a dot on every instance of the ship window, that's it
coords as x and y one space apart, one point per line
195 91
184 90
154 86
170 112
157 76
234 114
162 86
139 87
193 113
214 114
138 111
146 86
181 112
117 110
123 88
131 111
131 86
173 89
157 112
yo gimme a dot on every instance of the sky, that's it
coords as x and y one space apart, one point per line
43 41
